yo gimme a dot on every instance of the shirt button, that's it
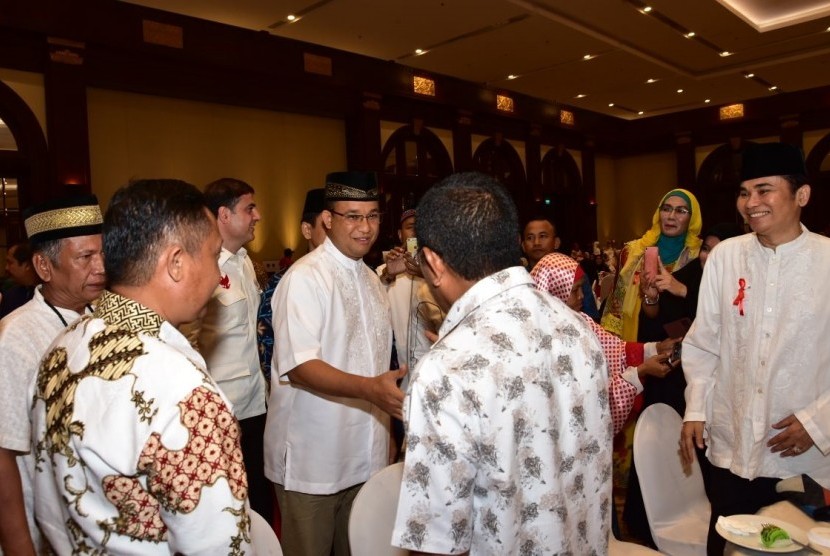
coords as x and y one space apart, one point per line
769 309
763 363
760 390
772 283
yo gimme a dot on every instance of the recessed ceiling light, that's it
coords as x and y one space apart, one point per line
749 75
610 104
646 9
511 76
419 51
291 17
708 100
651 80
726 53
690 34
587 56
773 87
581 95
640 113
679 90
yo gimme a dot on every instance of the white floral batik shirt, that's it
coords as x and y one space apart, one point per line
508 430
137 451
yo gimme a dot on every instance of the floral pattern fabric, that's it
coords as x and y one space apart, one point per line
136 449
508 430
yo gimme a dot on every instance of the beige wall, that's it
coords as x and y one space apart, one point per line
281 155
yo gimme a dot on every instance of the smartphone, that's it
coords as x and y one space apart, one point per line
674 358
412 245
650 267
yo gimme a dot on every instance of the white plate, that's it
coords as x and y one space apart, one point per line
754 541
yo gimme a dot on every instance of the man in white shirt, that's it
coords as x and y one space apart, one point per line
755 359
508 427
65 236
227 333
331 394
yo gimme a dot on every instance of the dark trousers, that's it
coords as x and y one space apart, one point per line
260 491
732 495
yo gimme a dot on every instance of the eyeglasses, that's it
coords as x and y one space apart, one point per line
357 219
681 210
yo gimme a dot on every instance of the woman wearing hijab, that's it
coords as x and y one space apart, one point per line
674 231
628 362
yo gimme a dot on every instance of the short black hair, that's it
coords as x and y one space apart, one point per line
225 192
22 253
538 218
471 222
143 218
310 217
796 181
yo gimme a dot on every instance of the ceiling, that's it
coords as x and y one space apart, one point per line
556 50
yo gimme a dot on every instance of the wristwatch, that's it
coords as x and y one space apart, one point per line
649 301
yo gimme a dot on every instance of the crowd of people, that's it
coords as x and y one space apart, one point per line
154 392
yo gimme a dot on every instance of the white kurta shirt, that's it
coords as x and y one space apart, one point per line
332 308
227 336
25 334
747 372
508 430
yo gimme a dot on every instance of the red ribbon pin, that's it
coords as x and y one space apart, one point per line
739 300
225 282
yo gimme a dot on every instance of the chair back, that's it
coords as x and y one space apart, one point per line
373 514
673 494
263 537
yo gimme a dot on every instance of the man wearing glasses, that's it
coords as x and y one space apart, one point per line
331 394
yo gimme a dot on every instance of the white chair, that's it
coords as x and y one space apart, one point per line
675 500
263 538
373 514
620 548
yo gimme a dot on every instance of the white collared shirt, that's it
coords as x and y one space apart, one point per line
747 371
227 335
332 308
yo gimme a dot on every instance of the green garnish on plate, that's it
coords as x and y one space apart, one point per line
772 535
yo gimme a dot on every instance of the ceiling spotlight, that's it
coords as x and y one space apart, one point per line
511 76
690 34
419 51
610 104
646 9
749 75
651 80
291 17
581 95
679 91
587 56
640 113
725 53
708 100
773 88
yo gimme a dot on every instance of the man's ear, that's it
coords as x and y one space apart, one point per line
305 229
802 195
436 265
326 215
174 262
557 242
43 267
223 215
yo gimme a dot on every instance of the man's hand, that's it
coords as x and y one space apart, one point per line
412 266
793 440
395 262
691 436
667 345
383 391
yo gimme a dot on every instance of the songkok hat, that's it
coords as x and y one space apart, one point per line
315 201
408 214
62 218
772 159
352 186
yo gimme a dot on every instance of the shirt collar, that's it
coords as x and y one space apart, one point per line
224 255
482 291
121 311
348 262
788 247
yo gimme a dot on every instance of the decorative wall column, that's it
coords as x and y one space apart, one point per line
589 186
533 164
462 142
66 118
363 148
791 130
685 152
